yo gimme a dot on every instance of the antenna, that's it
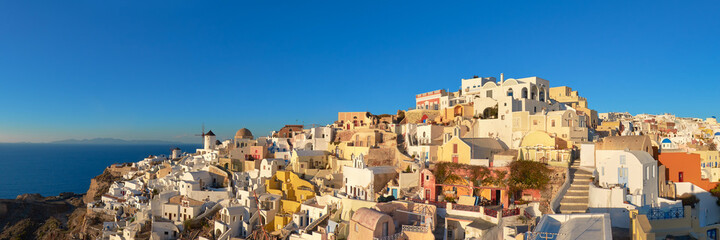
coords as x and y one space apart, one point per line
262 234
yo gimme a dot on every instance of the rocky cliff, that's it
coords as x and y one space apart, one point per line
31 216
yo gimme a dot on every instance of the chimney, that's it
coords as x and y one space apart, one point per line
502 77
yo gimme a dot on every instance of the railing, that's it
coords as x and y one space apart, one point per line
466 208
541 235
390 237
436 203
490 212
659 213
510 212
413 228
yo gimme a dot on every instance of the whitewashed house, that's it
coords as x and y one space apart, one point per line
362 182
235 221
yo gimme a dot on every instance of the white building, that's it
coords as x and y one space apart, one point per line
573 226
363 182
614 168
235 221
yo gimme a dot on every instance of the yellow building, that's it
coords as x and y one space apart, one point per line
710 164
459 110
353 120
293 190
709 158
472 151
677 222
540 146
565 124
567 96
303 160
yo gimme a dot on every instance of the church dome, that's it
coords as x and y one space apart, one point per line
243 134
666 141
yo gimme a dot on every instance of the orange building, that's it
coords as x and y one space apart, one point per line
684 167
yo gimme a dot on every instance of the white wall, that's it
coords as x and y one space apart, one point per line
708 210
587 155
610 200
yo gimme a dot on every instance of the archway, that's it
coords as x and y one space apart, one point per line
458 110
533 93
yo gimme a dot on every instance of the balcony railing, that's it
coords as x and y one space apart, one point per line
413 228
490 212
510 212
541 235
466 208
660 213
390 237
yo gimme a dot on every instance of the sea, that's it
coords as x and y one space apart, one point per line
50 169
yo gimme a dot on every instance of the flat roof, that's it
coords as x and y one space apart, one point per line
576 226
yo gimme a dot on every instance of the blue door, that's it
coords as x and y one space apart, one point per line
623 176
394 193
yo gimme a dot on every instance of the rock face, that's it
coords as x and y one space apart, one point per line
32 216
100 184
35 217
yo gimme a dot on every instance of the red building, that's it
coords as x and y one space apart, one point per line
288 131
258 152
684 167
429 100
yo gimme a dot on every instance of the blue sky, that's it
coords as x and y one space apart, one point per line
158 70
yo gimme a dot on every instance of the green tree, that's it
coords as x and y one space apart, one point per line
528 175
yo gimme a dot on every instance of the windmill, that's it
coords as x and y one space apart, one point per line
202 134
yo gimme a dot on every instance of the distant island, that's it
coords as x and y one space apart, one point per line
113 141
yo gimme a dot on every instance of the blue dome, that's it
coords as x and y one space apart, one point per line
717 134
666 141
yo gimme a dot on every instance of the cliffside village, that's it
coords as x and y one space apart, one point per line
497 159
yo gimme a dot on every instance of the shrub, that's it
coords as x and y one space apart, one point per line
528 175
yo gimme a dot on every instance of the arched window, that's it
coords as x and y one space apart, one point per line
510 92
542 94
533 93
524 93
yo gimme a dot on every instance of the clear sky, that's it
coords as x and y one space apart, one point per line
158 70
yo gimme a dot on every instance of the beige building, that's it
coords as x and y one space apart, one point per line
572 98
540 146
180 208
368 223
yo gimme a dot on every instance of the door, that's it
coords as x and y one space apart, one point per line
394 193
493 196
623 176
455 159
680 177
385 229
497 197
427 194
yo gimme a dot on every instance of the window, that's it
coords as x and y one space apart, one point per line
356 227
534 122
454 148
552 123
488 93
622 159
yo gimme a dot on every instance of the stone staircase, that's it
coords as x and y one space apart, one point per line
576 198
